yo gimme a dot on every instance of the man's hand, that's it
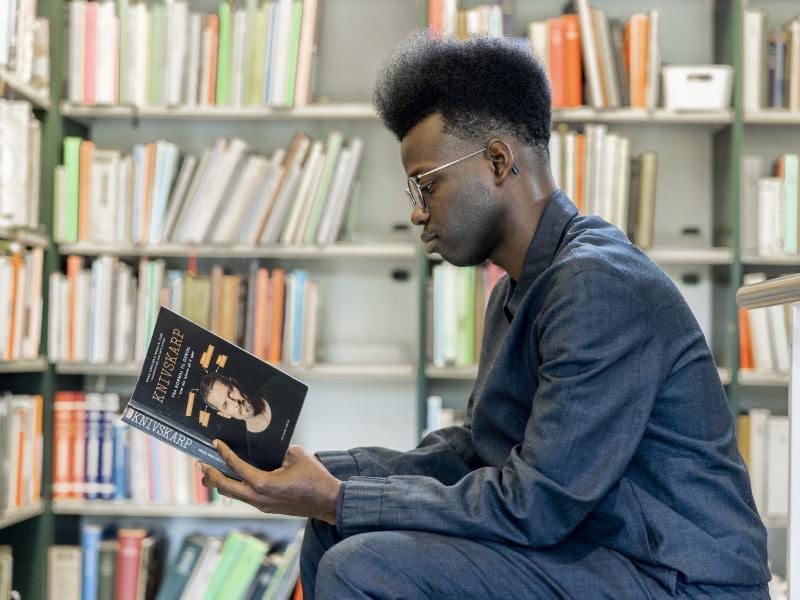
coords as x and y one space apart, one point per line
301 486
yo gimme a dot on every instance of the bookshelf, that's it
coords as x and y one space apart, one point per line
16 88
34 365
24 236
113 508
13 516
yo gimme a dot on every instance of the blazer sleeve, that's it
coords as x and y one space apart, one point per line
596 389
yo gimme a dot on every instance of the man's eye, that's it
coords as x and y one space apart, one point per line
428 188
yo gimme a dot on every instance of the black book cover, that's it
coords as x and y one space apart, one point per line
196 387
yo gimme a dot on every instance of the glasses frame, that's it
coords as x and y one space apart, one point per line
413 181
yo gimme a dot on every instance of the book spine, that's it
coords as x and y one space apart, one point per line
176 437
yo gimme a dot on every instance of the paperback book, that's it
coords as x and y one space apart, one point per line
196 387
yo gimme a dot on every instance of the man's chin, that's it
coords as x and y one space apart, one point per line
457 259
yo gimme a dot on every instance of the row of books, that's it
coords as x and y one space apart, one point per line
595 169
20 450
771 63
764 445
457 300
439 417
6 572
24 42
20 301
446 18
272 314
764 334
20 149
620 62
227 195
163 54
769 206
128 564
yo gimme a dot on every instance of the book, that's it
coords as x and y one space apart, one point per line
195 387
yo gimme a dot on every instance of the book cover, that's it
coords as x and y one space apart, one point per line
196 387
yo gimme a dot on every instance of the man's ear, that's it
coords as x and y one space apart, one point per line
502 158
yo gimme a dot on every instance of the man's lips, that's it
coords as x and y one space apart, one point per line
427 237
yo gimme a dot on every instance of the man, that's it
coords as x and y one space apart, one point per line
599 459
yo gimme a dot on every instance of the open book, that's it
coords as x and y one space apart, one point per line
196 387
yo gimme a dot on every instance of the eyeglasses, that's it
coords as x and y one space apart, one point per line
414 191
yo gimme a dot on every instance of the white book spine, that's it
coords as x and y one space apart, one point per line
653 59
569 167
77 10
138 35
778 467
240 26
177 24
590 55
193 59
55 319
106 54
754 60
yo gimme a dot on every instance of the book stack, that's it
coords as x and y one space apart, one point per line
23 42
273 314
163 54
596 171
127 564
764 335
457 299
768 211
20 149
620 62
20 301
771 63
764 446
228 195
445 17
439 417
21 451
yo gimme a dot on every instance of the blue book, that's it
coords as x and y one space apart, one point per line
94 408
90 540
106 476
300 278
121 460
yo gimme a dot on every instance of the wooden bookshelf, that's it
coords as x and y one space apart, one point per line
789 260
24 236
767 379
13 516
317 371
638 115
334 251
772 116
27 365
15 87
127 508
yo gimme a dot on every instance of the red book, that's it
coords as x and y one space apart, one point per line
555 28
62 445
746 360
276 339
573 70
213 25
435 16
128 555
90 53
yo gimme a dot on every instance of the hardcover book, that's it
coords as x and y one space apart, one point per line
196 387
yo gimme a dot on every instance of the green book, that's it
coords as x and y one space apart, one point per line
180 571
332 149
294 50
156 54
224 55
107 570
245 569
790 203
260 29
72 161
220 579
290 555
251 9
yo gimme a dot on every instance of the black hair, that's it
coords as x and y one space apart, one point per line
481 87
213 377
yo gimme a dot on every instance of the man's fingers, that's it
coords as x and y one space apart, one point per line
212 478
243 469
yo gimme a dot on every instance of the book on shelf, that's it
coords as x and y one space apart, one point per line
164 54
439 417
596 171
23 42
21 444
272 313
769 205
20 301
129 564
764 335
620 62
764 445
20 148
227 195
196 387
771 63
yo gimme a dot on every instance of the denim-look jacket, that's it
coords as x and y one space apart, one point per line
597 412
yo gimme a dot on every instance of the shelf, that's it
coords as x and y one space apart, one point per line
776 522
28 365
469 372
226 113
640 115
756 378
318 371
365 251
125 508
772 116
691 256
24 236
789 260
20 89
17 515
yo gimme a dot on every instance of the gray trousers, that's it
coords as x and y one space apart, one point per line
413 565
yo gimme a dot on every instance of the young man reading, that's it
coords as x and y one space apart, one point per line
600 458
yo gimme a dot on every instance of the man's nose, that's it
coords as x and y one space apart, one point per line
419 216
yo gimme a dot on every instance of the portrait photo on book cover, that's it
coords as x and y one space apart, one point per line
207 388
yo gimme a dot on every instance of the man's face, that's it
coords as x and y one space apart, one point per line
461 221
229 401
